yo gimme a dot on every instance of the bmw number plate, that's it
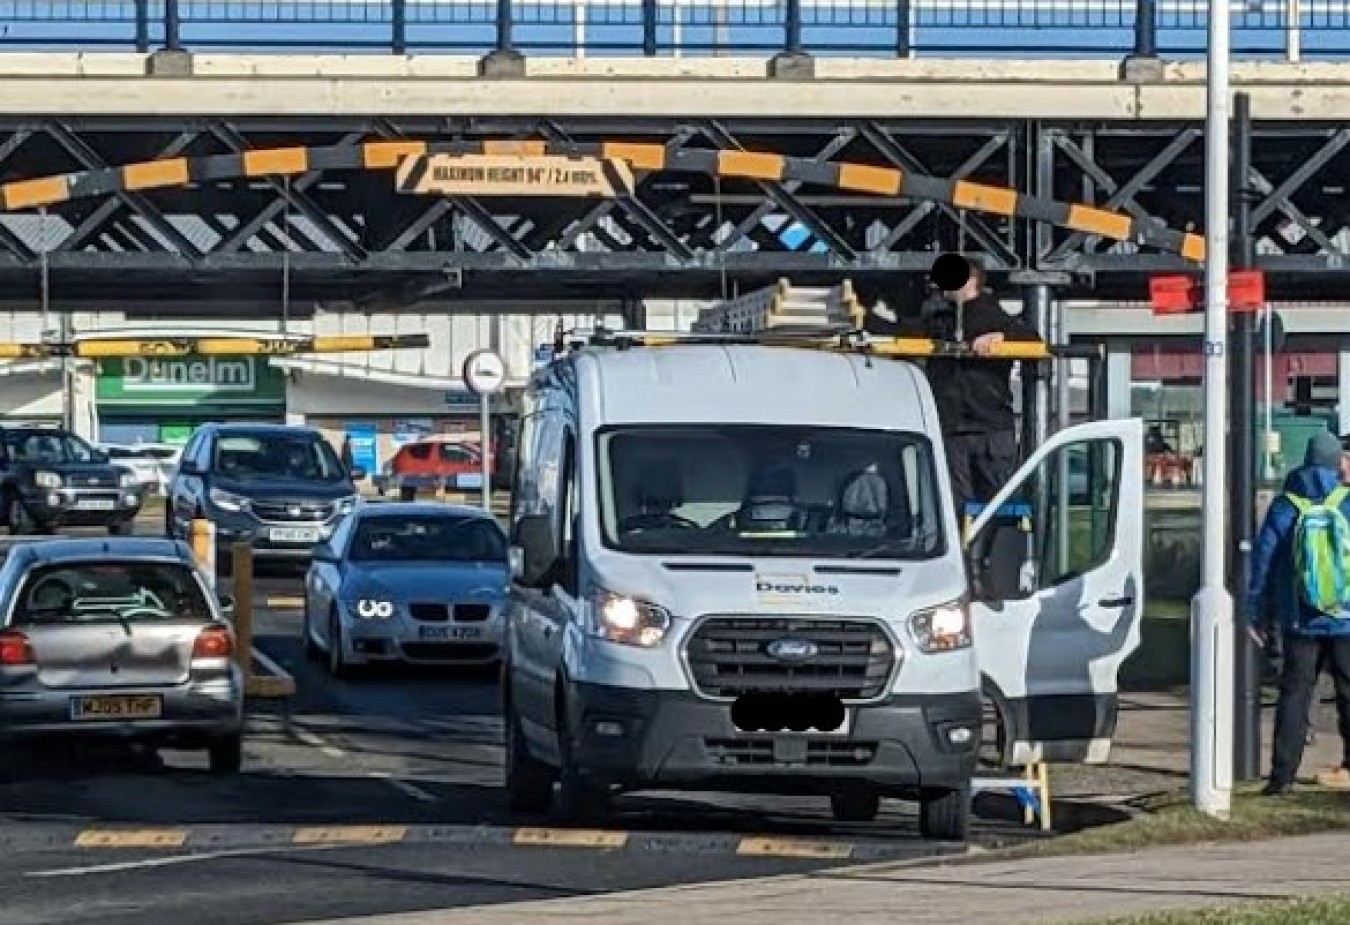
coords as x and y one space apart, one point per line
449 633
293 535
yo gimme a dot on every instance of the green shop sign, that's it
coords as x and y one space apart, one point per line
192 381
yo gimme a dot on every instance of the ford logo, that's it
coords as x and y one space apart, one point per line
791 650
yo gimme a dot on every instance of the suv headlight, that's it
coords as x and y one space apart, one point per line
46 480
942 629
128 480
371 608
625 620
227 501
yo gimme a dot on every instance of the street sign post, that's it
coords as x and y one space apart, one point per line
485 376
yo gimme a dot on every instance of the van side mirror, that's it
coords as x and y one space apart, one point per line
539 551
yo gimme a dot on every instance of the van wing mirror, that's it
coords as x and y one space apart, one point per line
539 551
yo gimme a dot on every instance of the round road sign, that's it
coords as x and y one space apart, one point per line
484 372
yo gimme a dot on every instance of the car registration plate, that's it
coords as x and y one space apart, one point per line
293 535
844 729
96 504
128 707
449 633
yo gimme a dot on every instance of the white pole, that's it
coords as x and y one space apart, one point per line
1270 392
1212 608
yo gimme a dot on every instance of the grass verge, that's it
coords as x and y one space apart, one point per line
1170 820
1329 911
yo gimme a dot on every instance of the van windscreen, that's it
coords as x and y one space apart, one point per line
761 490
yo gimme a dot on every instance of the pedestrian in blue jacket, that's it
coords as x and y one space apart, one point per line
1309 634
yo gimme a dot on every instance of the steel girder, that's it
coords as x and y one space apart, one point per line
349 236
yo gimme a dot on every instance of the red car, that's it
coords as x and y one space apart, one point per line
435 461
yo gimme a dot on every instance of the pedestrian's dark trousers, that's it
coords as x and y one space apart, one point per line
1298 684
980 465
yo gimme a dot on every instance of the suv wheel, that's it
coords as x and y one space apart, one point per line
227 755
338 666
529 783
945 814
860 805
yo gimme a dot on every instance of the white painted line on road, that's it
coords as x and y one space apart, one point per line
310 739
403 786
176 859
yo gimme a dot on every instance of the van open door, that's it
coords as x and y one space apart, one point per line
1056 563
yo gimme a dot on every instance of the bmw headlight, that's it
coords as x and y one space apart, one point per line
227 501
942 629
46 480
626 620
373 608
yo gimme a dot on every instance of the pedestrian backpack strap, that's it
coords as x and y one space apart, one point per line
1322 553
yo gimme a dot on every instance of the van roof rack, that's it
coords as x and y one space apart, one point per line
812 318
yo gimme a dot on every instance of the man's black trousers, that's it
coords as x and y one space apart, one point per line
980 465
1298 685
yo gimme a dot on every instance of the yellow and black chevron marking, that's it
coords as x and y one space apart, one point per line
386 155
186 838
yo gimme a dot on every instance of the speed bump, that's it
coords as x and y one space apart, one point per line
792 848
350 835
131 838
570 838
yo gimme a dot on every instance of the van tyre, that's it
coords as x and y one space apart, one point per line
944 815
529 783
226 755
579 799
855 805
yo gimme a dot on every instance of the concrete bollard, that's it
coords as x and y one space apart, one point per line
242 554
202 539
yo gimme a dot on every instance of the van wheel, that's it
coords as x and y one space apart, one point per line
529 783
945 814
579 799
855 805
996 747
227 755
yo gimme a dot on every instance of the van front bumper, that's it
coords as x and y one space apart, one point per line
643 739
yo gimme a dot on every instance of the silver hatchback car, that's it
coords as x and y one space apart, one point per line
120 637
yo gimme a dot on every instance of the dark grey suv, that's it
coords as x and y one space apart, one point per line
281 488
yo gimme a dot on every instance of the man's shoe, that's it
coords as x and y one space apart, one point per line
1335 779
1277 789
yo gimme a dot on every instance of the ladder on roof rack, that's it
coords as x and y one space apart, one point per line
784 307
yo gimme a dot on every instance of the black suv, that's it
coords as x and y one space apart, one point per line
51 478
281 488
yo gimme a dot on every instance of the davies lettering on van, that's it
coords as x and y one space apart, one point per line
792 586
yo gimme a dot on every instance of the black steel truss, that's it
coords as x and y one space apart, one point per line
350 236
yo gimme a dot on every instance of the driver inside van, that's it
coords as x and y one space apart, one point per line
771 502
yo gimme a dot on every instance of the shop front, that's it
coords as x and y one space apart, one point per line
165 399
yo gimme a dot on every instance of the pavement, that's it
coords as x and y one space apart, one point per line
381 795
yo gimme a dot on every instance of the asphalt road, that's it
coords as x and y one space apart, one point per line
414 754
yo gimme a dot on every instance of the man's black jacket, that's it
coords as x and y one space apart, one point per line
973 396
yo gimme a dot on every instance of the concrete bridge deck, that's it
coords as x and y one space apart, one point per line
239 85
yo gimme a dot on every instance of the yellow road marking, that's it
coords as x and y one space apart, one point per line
286 601
350 835
132 838
792 848
571 838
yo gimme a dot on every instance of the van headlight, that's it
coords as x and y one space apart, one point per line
227 501
626 620
942 629
371 608
46 480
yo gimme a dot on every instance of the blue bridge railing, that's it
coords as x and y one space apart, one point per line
1269 29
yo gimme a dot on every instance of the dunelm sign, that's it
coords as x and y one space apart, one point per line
190 381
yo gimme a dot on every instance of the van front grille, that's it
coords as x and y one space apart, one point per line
852 659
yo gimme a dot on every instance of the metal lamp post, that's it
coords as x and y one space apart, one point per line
1212 608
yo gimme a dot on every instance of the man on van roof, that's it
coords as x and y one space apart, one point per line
1301 571
974 397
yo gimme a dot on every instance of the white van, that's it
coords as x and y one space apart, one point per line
739 568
